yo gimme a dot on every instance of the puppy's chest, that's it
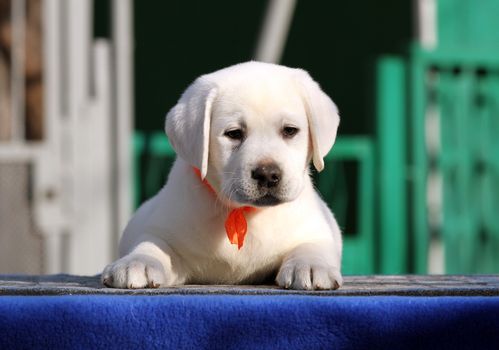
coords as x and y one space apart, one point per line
270 236
246 265
260 246
260 255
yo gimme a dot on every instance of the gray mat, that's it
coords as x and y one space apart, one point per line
406 285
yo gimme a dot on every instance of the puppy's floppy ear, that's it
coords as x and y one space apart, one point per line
322 114
187 124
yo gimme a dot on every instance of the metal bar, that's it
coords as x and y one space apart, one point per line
391 139
83 257
492 206
489 175
18 152
365 204
359 247
492 157
62 43
78 48
123 113
460 225
447 159
138 153
350 147
52 68
419 163
426 23
99 127
275 30
484 57
18 13
434 176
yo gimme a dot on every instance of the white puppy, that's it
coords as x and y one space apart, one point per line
244 136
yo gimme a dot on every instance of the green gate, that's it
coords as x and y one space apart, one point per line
438 145
460 92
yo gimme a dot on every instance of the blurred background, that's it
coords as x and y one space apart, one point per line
413 178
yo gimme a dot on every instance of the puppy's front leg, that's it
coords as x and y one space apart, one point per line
311 266
150 264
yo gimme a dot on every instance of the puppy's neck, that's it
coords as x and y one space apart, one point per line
204 181
236 225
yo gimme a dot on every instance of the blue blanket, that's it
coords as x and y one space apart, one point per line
248 322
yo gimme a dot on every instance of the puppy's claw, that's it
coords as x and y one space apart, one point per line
107 282
336 285
153 284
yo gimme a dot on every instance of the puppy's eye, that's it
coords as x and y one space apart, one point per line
234 134
289 131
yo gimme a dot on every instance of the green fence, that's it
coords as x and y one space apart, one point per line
438 152
460 90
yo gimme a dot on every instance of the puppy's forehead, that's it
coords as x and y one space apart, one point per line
266 94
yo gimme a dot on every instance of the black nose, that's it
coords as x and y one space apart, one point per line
267 175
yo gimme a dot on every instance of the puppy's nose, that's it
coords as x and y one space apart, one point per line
267 175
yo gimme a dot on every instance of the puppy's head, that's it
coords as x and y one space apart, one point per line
252 130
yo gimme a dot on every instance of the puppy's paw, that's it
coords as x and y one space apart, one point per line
134 271
301 274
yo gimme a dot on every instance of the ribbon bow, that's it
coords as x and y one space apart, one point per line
236 225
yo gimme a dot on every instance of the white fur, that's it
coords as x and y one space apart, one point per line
178 236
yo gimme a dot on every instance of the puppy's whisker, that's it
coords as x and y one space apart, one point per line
229 189
219 203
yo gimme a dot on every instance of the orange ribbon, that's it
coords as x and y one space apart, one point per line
236 225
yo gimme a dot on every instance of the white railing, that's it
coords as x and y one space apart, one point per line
81 168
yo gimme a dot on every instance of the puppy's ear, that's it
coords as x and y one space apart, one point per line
187 124
322 114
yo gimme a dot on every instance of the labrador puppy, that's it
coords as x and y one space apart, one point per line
239 205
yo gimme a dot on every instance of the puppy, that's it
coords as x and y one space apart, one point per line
239 205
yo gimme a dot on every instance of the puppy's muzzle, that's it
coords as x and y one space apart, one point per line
267 175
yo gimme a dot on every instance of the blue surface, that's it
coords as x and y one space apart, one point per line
248 322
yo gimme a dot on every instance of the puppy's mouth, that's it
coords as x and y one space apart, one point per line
267 200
